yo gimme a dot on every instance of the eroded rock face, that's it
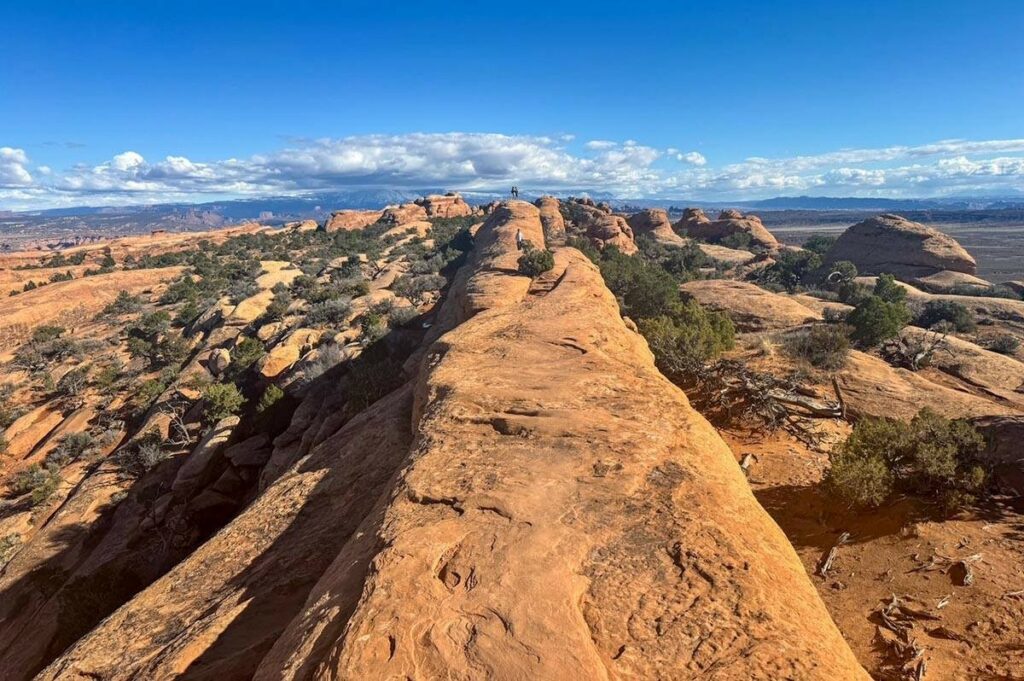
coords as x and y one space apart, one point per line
448 206
730 223
655 223
892 244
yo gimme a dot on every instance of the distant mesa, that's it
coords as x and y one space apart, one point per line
892 244
730 223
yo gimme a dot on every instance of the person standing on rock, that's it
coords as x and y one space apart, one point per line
515 192
519 239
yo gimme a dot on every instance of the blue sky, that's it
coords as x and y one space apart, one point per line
127 102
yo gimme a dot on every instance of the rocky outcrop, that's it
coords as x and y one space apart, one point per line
654 222
344 220
894 245
551 219
400 215
450 205
556 511
730 223
601 227
750 307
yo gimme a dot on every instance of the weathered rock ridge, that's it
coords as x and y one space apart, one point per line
730 223
536 502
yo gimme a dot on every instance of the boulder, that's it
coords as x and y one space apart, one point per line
346 220
654 222
201 464
450 205
253 451
279 359
894 245
219 360
612 230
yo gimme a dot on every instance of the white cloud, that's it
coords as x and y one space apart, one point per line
12 167
693 157
492 162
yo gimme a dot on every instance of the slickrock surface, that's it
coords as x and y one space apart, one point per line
696 224
557 511
655 223
750 307
891 244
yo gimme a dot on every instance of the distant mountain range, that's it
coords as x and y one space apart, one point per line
101 222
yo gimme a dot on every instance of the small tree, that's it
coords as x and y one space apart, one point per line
1004 344
535 262
221 400
946 311
876 319
931 457
825 346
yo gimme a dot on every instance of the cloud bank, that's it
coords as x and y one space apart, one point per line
491 162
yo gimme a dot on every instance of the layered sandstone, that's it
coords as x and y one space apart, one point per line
551 219
892 244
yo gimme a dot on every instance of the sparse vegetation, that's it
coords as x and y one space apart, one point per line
37 481
221 400
819 243
1004 344
931 457
124 303
946 311
534 261
825 346
881 315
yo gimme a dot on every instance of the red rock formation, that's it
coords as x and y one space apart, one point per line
351 219
892 244
551 218
696 224
655 223
558 511
450 205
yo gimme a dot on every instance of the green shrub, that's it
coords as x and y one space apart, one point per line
825 346
9 412
141 455
246 352
535 262
949 311
221 400
271 396
415 289
70 448
791 269
687 338
73 382
1005 344
931 457
738 240
585 247
39 482
875 320
328 313
819 243
125 303
47 333
889 290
